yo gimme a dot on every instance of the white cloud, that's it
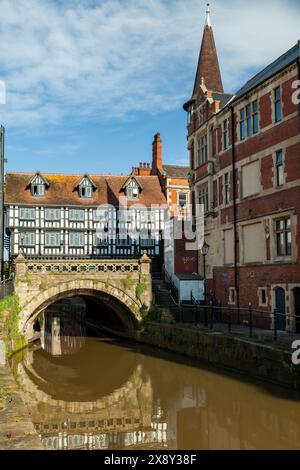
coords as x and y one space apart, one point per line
112 58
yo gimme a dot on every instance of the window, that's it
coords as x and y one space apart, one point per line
242 124
251 179
226 188
147 242
255 123
202 150
229 246
225 135
232 295
279 168
254 245
100 241
123 241
85 192
85 188
52 214
262 297
28 239
27 213
76 215
132 190
283 237
249 120
38 190
182 199
52 239
203 198
277 104
76 239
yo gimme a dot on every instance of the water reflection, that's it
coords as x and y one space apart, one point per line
63 327
111 395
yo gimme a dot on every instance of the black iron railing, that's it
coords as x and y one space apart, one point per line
247 322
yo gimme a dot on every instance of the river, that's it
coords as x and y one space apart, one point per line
87 392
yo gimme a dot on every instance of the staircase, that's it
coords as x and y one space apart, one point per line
163 299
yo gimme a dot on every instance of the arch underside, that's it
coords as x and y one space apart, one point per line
105 298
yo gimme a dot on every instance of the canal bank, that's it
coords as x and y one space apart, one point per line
253 359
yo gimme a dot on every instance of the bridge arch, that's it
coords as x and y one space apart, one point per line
126 307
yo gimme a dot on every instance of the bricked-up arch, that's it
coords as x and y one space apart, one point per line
127 311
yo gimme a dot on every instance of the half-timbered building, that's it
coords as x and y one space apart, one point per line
62 215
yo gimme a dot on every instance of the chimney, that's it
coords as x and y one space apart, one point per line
156 154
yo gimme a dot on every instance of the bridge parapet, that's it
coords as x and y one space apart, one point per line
40 282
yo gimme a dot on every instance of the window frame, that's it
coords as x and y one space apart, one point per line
74 244
74 219
56 211
27 244
225 134
286 232
279 165
22 217
57 242
277 105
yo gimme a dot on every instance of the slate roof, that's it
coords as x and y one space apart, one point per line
224 98
62 190
279 64
176 171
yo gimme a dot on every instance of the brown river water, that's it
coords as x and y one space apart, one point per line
102 393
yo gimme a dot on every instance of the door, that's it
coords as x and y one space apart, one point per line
280 307
297 308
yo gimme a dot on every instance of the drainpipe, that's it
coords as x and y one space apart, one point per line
234 194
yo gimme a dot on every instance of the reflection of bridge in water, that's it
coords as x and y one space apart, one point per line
127 417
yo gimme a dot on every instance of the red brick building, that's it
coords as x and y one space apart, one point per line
245 162
173 179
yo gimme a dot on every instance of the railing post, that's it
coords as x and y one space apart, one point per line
205 317
211 317
250 321
275 325
229 319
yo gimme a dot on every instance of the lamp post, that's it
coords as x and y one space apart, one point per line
204 252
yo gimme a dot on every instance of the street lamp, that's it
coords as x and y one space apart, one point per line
204 252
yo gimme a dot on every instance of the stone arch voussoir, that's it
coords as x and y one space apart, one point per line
32 308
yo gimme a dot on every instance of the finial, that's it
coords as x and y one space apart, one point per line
208 21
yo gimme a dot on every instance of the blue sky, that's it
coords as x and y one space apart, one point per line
89 82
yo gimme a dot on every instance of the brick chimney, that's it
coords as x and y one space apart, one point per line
156 154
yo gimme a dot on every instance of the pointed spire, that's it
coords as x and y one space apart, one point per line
208 64
208 21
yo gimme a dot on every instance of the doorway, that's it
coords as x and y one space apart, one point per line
297 308
280 308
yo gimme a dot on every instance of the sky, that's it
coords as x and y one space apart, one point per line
88 83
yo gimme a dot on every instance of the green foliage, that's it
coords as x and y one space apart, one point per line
140 289
154 313
43 286
27 278
128 283
144 311
14 340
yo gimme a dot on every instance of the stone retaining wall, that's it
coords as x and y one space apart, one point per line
252 359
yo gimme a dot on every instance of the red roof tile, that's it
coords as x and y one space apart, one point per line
62 190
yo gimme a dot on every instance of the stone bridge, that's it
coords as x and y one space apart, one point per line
125 286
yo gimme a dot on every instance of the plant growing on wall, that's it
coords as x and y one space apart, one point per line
128 283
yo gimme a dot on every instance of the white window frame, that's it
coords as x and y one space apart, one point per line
52 243
52 213
76 215
76 239
27 213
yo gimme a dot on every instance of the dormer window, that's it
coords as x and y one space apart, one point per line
86 188
38 186
132 189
